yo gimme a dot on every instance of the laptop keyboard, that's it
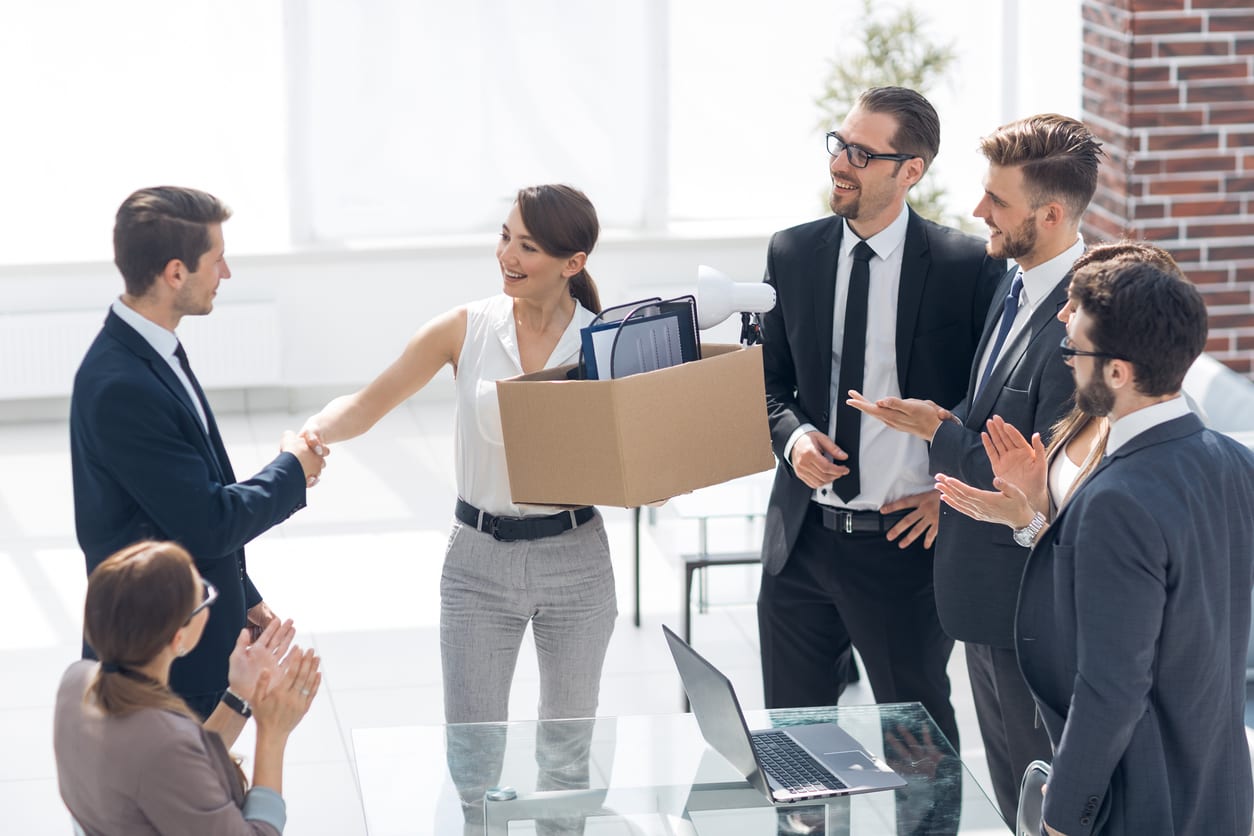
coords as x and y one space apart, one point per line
791 766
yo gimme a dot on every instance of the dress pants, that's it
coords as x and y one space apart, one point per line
1013 737
490 591
838 590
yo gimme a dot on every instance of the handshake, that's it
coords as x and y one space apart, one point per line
310 451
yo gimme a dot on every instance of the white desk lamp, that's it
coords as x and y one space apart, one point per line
718 297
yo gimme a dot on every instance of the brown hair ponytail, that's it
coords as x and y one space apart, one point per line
562 221
137 600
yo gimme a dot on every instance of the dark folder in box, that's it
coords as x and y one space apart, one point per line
641 336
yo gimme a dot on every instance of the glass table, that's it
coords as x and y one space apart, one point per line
650 775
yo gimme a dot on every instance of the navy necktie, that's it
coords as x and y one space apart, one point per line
1009 311
187 370
852 360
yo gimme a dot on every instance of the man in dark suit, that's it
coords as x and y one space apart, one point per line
147 457
879 294
1134 612
1041 176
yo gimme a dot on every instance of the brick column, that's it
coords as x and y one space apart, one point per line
1169 89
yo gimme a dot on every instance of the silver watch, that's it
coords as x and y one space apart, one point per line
1026 536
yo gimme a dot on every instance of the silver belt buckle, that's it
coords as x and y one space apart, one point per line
848 522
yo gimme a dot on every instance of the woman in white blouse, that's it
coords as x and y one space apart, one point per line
507 565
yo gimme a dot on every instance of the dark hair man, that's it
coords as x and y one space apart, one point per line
147 456
1134 612
873 296
1042 173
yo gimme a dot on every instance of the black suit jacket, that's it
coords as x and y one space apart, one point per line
144 467
1133 621
978 564
947 282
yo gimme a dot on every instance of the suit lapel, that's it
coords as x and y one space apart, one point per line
215 453
1012 352
825 257
915 262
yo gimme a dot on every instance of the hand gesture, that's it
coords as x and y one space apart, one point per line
809 459
250 659
908 415
312 457
285 694
923 519
1007 505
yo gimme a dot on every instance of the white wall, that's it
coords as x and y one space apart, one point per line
344 315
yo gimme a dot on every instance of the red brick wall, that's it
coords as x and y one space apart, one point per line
1169 89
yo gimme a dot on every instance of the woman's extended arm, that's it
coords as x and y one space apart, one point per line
435 345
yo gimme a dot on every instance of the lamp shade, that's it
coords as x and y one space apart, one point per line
718 297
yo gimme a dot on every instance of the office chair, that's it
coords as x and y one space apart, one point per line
1031 799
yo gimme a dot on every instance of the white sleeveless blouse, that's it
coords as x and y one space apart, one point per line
490 353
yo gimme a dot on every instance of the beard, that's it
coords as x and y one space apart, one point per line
1016 243
1095 399
847 210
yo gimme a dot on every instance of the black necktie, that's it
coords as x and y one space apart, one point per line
187 370
852 359
1009 311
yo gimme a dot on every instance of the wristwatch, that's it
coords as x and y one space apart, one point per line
1025 536
237 703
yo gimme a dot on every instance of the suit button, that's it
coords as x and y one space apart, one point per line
1093 800
1084 820
823 419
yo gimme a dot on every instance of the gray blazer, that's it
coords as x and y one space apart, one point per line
978 564
1133 620
150 772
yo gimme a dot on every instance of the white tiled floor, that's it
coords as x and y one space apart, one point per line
359 572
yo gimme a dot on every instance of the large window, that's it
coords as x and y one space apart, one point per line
335 122
101 98
423 118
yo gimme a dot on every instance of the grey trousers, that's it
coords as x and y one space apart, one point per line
490 591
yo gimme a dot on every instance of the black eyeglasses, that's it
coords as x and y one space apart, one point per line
858 156
211 595
1069 351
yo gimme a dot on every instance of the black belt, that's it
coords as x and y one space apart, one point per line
509 529
844 521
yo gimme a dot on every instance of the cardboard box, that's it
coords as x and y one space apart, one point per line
637 439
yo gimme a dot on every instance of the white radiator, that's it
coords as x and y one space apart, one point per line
237 346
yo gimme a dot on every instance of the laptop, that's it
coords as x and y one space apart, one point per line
791 764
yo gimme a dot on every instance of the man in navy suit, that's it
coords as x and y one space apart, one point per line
147 456
1042 173
873 292
1134 611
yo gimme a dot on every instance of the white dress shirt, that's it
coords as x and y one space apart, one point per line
164 343
1038 283
1134 423
893 464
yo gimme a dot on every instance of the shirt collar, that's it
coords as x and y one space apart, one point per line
162 341
884 242
1041 280
1134 423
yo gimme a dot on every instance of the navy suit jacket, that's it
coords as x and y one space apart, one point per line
144 467
1133 621
947 282
978 564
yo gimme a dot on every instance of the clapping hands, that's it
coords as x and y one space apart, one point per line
250 658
